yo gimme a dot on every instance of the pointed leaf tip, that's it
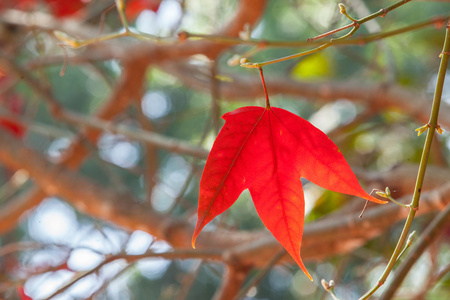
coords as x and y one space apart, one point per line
373 199
194 238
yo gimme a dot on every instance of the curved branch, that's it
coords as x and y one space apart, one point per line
378 96
342 234
233 278
328 236
129 87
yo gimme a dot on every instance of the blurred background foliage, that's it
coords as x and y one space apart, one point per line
71 243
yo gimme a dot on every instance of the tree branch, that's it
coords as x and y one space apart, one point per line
233 278
325 237
378 97
130 87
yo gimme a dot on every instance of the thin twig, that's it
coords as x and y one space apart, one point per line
188 280
215 98
349 41
260 275
432 231
323 238
59 112
176 254
414 205
151 152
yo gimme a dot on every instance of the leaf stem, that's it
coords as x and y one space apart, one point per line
414 205
264 85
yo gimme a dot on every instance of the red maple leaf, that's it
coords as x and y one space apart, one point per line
15 104
21 293
59 8
134 7
64 8
267 150
16 129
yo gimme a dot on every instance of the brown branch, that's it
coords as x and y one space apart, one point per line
378 97
248 12
104 203
343 233
183 254
44 21
233 279
85 195
130 86
150 152
153 139
323 238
